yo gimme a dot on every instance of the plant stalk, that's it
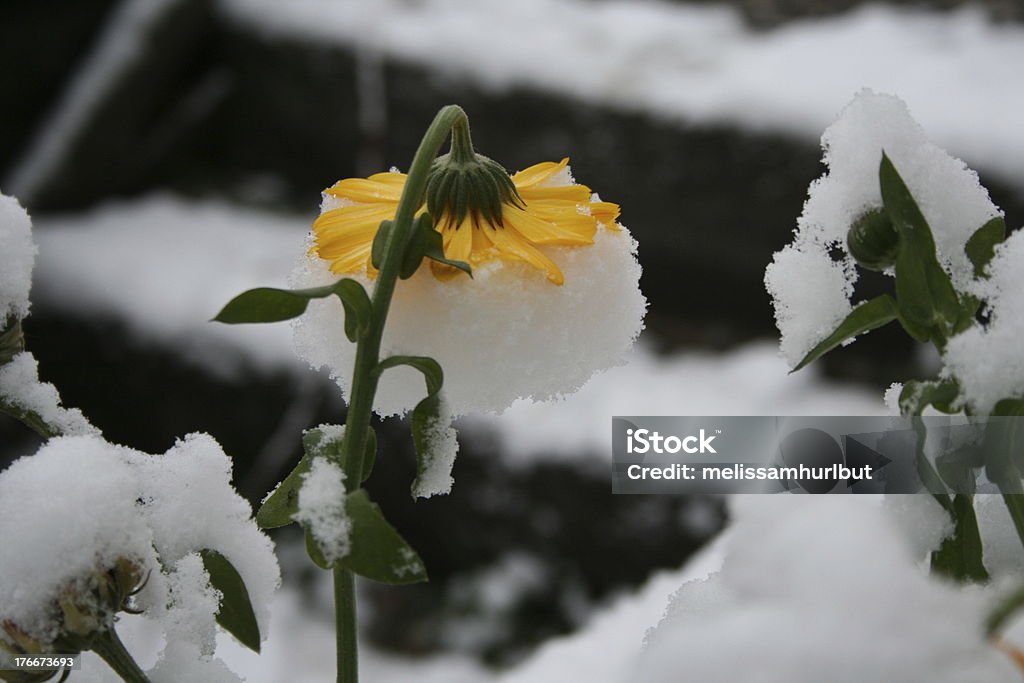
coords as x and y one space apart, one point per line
364 380
112 651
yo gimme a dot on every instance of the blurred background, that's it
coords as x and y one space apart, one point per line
172 154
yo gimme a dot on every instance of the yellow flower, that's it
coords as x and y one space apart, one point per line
549 214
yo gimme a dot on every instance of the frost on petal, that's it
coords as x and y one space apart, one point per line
796 569
506 334
811 294
948 193
989 360
20 387
322 508
17 256
435 474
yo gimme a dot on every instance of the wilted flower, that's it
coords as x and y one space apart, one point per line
482 213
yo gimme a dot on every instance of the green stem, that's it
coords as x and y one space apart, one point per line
1014 502
110 648
30 419
364 380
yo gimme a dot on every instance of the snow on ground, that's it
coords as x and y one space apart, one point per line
959 73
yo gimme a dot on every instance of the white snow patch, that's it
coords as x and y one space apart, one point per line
821 588
322 508
17 256
989 360
81 503
435 477
167 266
20 387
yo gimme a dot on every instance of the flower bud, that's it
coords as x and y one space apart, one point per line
873 241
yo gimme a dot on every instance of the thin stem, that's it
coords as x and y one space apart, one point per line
1014 502
364 381
110 648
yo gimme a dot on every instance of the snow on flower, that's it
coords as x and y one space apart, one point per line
809 287
553 299
988 360
81 507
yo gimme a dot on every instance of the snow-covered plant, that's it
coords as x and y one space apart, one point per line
893 202
519 286
91 530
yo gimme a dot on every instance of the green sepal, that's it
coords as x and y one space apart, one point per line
377 551
867 316
427 411
916 396
268 305
982 244
427 242
960 556
235 614
928 304
380 241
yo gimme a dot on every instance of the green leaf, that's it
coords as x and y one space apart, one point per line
867 316
928 304
1004 445
281 505
957 467
916 396
380 242
268 305
427 412
377 551
960 556
427 242
235 613
314 551
982 244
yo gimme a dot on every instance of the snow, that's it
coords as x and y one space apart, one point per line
20 388
80 504
810 290
505 334
17 255
441 445
166 266
749 380
125 37
811 294
822 588
988 360
322 508
698 64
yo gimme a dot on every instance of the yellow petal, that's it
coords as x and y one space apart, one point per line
511 243
367 190
569 228
576 193
459 241
345 236
606 212
538 173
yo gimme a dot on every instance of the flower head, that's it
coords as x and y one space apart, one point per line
482 213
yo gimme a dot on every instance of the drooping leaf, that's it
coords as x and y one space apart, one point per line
928 304
377 551
235 614
867 316
281 505
982 244
427 242
267 305
427 412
